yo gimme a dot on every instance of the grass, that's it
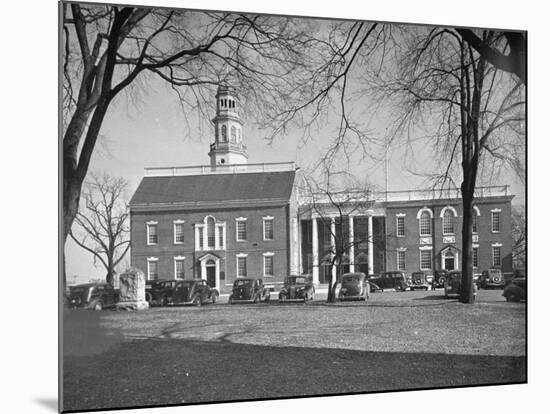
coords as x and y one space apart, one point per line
220 352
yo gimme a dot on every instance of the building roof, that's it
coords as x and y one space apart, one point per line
198 189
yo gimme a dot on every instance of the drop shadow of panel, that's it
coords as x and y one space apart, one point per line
163 372
49 403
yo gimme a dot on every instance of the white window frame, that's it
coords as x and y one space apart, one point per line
425 249
220 235
272 256
475 247
493 212
476 214
151 260
399 216
178 223
419 218
148 225
404 251
442 215
241 256
176 259
264 220
499 247
237 221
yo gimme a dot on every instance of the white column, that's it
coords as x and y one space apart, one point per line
333 244
351 246
295 247
315 250
371 246
197 239
216 237
203 269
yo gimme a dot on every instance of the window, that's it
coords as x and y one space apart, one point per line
496 256
152 233
233 133
401 262
178 232
448 222
179 271
220 236
495 221
268 228
152 268
400 226
211 232
425 259
425 224
474 222
241 266
268 264
474 257
241 229
224 133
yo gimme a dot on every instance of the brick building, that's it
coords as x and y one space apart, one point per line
232 219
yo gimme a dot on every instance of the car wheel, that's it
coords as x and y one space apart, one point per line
98 306
148 298
231 300
197 301
441 281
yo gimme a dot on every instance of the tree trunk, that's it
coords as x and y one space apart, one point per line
467 290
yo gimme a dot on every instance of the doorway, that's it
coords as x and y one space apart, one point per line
449 260
211 273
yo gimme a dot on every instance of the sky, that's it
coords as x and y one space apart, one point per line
151 131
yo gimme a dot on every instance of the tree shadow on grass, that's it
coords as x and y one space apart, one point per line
161 372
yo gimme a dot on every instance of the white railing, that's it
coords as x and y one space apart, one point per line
220 169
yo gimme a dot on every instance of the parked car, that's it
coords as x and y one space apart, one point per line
96 296
389 280
297 288
355 286
453 284
420 281
516 290
491 279
159 292
180 292
249 289
439 279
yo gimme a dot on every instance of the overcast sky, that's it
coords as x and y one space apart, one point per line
151 132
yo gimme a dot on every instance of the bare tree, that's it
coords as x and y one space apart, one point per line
519 236
103 222
332 202
108 49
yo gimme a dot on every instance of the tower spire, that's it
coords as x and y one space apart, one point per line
228 147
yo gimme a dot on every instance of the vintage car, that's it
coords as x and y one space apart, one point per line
158 292
389 280
516 290
419 280
355 286
297 288
96 296
249 289
491 279
439 278
180 292
453 284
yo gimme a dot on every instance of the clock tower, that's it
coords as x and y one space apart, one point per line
228 147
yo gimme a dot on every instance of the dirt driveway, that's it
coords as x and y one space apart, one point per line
224 352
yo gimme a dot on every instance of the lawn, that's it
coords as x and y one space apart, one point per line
221 352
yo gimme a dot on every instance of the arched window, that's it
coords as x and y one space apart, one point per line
425 224
224 133
448 222
211 234
233 134
475 214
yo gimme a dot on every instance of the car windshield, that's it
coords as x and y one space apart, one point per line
298 280
245 282
351 279
181 284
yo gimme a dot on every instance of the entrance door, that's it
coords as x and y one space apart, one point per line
211 273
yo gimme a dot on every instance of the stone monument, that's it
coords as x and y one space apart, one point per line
132 290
